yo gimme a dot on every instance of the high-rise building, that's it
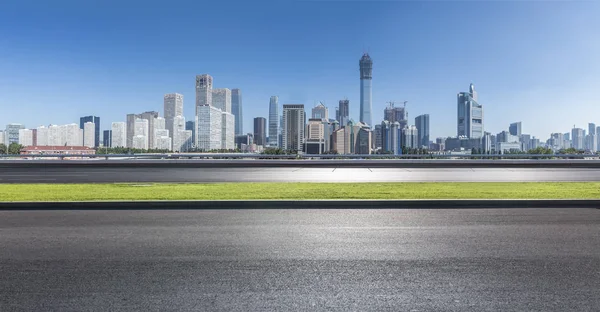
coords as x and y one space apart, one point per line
274 122
227 131
378 132
591 143
119 134
221 99
191 126
182 140
410 137
315 136
515 128
236 107
42 136
159 123
470 115
89 134
294 119
209 127
578 139
131 118
2 137
366 76
204 85
422 125
107 138
12 133
26 137
355 138
96 121
344 108
592 128
173 106
162 141
260 131
141 134
320 112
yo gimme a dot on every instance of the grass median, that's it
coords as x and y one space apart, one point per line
298 191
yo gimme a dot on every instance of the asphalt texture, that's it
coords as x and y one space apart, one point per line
301 260
92 174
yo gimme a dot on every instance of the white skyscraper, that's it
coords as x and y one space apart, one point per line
72 135
140 134
209 128
204 85
183 141
89 134
159 123
178 125
274 119
162 140
173 107
119 134
42 136
227 131
26 137
221 99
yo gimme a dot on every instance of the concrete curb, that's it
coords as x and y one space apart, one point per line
303 204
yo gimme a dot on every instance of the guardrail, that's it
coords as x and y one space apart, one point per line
299 156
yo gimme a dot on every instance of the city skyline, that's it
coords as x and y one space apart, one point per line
519 74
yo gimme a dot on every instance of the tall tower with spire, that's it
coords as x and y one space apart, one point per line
366 75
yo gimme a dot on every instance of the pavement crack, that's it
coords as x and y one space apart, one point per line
297 169
333 170
370 169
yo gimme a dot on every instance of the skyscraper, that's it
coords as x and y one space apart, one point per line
344 111
366 75
515 128
469 115
227 131
190 125
130 127
294 120
96 121
173 106
141 132
119 134
89 134
273 121
592 128
236 107
209 127
320 112
221 99
260 130
422 125
410 137
12 133
107 138
204 85
394 113
26 137
578 139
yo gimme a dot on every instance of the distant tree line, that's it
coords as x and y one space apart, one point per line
11 149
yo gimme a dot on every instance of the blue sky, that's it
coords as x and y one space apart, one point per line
532 61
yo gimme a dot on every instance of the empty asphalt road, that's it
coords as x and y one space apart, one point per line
91 174
308 260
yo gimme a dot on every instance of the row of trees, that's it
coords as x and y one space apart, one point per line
11 149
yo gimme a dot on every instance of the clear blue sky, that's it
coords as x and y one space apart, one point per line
532 61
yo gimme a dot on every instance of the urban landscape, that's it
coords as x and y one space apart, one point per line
299 155
290 128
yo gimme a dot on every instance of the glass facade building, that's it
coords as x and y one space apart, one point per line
366 76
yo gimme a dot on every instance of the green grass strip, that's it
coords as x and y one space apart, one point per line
223 191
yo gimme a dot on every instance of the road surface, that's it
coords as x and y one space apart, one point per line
310 260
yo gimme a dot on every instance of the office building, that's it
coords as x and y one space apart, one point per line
236 108
591 143
26 137
173 107
320 112
355 138
515 129
260 131
378 132
525 140
506 147
183 140
191 126
96 121
89 134
366 75
556 142
162 140
12 133
486 143
344 108
316 130
294 119
227 131
578 138
107 138
410 137
2 137
422 124
274 119
470 114
141 134
204 85
592 128
244 139
150 116
159 124
42 136
221 99
119 134
209 128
